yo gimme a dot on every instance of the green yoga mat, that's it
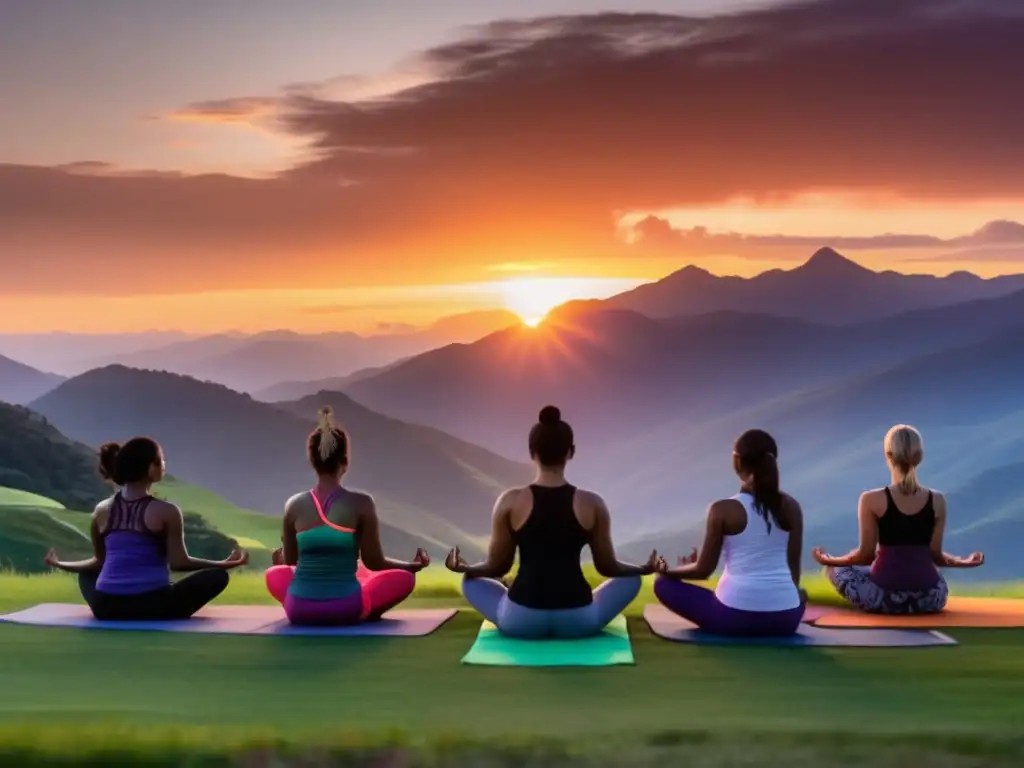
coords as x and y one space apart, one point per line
494 649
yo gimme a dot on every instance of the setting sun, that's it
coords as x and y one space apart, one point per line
533 297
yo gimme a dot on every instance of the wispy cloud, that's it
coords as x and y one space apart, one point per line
533 137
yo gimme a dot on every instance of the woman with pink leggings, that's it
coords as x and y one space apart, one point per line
317 575
758 532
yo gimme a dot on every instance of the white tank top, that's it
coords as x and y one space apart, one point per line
756 575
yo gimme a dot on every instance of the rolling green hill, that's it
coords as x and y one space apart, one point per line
427 484
30 525
27 533
35 457
12 497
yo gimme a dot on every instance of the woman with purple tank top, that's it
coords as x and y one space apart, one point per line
137 541
894 569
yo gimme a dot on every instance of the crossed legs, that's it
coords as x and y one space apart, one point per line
380 590
490 598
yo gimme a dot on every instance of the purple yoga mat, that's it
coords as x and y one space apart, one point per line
235 620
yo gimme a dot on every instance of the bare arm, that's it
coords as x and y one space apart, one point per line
704 564
603 550
943 559
501 551
796 538
173 526
864 554
89 565
371 551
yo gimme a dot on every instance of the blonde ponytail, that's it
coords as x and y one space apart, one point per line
908 484
904 450
325 426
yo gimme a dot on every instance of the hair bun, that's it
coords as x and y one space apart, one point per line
549 415
108 459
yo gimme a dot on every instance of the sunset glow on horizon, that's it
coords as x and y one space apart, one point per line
378 174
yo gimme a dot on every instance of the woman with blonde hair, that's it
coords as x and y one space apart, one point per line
894 569
331 570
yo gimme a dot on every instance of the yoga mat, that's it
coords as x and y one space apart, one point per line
960 612
396 623
814 612
234 620
669 626
494 649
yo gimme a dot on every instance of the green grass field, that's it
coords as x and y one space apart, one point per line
167 699
12 497
159 697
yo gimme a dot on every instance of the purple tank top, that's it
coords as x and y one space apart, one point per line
136 558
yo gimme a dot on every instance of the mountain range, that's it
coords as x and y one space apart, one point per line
656 399
253 454
828 288
20 383
251 362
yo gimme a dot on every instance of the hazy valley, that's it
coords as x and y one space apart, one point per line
656 399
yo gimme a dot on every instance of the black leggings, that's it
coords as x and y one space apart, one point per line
178 601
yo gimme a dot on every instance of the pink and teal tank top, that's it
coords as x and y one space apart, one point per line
328 558
136 558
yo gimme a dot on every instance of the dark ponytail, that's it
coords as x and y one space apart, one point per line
756 454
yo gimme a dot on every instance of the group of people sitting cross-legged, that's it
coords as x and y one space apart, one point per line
331 569
758 533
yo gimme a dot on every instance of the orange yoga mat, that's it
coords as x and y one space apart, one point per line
960 612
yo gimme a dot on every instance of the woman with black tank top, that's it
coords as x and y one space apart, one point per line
137 540
894 570
550 522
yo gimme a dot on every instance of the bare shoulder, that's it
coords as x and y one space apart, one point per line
792 507
509 498
163 508
295 500
590 500
938 501
726 507
874 500
591 510
102 512
102 508
363 502
790 501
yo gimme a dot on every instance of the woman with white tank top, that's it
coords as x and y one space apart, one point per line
759 534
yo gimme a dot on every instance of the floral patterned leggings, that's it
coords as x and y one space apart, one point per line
855 585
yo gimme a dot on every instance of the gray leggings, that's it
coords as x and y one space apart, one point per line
854 583
490 598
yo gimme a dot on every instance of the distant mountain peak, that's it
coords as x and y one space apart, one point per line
829 261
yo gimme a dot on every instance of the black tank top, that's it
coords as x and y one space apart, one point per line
550 543
896 529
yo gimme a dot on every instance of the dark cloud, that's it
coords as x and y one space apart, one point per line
538 134
657 233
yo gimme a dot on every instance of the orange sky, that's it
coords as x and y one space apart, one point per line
491 156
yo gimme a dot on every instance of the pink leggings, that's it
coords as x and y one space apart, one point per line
380 592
